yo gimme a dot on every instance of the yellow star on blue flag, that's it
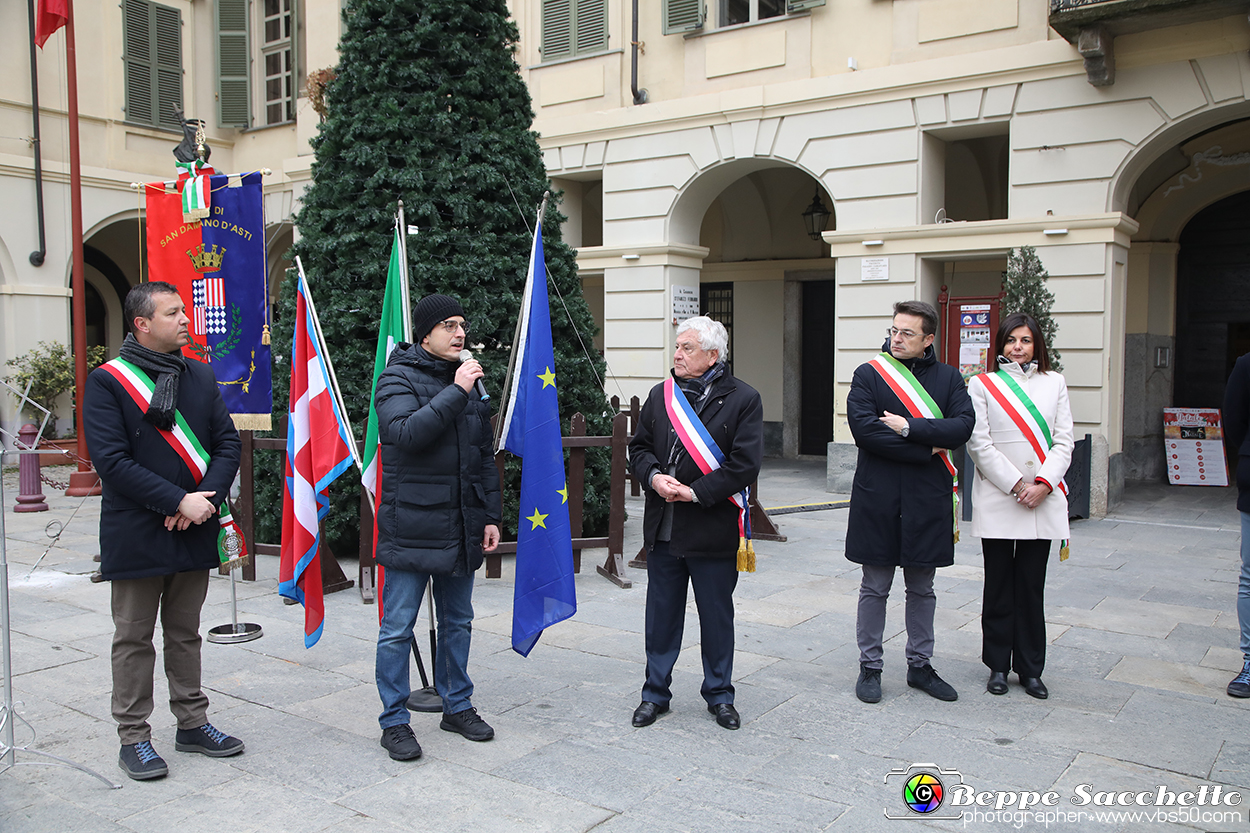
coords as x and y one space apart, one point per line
563 493
544 592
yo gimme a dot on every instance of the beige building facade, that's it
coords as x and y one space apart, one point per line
1111 135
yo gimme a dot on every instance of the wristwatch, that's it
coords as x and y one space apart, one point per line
906 430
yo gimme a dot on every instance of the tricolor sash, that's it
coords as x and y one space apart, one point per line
1024 413
136 382
698 442
919 404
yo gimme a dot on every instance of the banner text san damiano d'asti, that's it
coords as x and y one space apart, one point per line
218 265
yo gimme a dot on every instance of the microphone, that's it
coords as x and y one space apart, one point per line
478 387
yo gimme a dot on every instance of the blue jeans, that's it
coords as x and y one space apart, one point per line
1243 586
453 607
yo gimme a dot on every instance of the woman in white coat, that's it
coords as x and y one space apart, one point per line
1022 444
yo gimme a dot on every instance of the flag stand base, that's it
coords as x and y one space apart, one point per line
425 700
236 631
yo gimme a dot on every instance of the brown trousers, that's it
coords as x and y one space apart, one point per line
136 602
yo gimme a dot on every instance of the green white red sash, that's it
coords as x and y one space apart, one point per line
698 442
136 382
919 404
1024 413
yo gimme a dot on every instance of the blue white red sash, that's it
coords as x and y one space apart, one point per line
921 405
698 442
136 382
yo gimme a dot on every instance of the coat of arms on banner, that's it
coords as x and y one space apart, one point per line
218 265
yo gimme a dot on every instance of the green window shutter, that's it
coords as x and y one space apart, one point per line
793 6
683 16
557 29
167 56
591 26
152 44
233 104
137 46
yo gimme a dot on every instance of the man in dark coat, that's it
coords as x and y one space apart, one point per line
440 510
158 533
689 525
1237 433
902 509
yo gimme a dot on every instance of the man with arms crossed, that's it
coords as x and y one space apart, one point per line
906 411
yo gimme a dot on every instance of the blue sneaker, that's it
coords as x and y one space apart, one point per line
207 741
1240 686
140 761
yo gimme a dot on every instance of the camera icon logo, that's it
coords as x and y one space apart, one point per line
923 789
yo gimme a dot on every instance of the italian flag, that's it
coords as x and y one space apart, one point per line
396 326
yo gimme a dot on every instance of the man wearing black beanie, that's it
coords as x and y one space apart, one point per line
439 511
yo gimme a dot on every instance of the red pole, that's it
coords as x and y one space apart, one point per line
84 481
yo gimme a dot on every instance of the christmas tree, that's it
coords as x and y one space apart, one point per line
427 106
1024 290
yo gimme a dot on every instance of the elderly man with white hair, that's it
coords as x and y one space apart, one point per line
696 449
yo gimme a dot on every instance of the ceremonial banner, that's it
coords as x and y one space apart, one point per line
218 265
544 592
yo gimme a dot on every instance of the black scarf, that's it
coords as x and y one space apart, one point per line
166 369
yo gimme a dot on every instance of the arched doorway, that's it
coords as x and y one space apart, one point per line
1212 301
772 285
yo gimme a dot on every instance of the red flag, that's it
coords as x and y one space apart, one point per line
318 449
50 15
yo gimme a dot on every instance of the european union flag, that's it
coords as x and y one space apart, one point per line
544 592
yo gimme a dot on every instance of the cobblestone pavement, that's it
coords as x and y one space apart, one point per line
1143 639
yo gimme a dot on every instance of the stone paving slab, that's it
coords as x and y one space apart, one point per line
1142 635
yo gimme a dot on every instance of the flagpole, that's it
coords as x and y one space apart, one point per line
84 481
334 382
403 273
506 402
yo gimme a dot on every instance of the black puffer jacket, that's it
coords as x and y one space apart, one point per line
440 487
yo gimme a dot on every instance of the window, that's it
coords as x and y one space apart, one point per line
153 62
272 51
574 27
717 302
689 15
277 51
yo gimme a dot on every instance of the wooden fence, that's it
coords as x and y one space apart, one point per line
613 568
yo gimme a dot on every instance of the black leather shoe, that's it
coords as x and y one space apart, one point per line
647 712
997 683
1034 687
868 686
726 715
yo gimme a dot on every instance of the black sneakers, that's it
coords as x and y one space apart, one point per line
868 686
401 743
1240 686
207 740
468 724
140 761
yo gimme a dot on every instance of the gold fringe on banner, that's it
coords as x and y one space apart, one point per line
252 422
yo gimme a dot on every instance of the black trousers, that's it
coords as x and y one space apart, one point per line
714 580
1013 624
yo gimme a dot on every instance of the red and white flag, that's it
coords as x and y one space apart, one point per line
319 447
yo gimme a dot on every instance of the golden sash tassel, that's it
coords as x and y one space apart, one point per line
746 556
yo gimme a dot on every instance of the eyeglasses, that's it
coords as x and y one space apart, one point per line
906 334
450 326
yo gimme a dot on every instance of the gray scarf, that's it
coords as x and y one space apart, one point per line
166 369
